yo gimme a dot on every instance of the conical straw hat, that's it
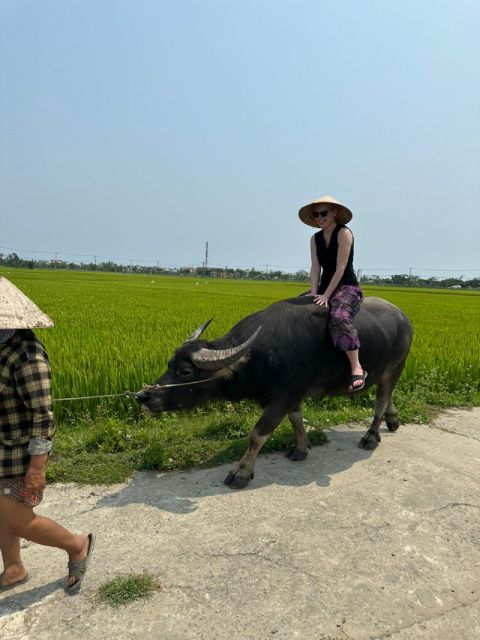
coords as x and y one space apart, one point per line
17 311
305 214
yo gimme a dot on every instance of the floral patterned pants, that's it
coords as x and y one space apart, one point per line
14 488
344 304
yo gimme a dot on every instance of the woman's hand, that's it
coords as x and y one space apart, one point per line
35 480
321 299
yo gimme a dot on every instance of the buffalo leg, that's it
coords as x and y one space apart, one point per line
391 417
300 451
384 407
271 418
372 437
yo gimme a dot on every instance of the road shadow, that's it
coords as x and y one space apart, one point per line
15 600
178 492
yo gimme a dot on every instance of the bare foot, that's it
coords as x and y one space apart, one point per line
13 575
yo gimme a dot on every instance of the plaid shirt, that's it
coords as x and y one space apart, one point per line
25 400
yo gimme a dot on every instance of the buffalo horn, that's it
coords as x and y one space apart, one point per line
212 359
198 332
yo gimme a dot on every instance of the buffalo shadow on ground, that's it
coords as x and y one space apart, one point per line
178 492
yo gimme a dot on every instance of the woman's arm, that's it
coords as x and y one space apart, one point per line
33 385
345 240
314 269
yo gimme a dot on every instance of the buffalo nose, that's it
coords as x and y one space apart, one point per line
141 396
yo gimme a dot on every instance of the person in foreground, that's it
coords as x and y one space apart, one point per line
26 432
331 251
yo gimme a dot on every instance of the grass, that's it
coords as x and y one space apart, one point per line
124 590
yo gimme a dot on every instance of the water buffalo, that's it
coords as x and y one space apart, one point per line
277 357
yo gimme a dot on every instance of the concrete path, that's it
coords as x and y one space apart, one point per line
349 544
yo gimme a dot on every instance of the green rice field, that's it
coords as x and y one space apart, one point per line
115 332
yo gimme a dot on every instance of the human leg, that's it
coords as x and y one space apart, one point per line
20 521
344 304
13 568
356 368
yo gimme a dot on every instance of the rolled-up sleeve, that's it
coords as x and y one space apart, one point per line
39 446
34 386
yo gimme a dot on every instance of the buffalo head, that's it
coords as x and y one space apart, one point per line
194 374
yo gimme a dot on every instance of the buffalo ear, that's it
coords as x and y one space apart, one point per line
198 332
215 359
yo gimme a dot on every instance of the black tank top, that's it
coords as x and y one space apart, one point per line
327 257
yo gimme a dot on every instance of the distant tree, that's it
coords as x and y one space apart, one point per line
401 280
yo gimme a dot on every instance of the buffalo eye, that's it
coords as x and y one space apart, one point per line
184 372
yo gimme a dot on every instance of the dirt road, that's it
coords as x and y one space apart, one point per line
349 544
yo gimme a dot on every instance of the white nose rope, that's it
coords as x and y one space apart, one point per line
133 393
110 395
176 384
149 387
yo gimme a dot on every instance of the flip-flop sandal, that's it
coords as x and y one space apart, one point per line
78 568
14 584
353 379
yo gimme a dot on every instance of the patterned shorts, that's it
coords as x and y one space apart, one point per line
344 305
14 488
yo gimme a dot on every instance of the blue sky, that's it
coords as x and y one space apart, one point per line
139 130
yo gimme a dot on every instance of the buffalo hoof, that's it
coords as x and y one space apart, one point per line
370 440
296 455
235 481
392 423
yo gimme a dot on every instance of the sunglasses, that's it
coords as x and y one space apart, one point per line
321 214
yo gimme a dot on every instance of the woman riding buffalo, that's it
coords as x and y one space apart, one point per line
332 256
